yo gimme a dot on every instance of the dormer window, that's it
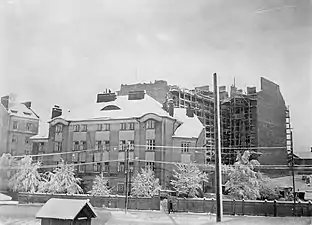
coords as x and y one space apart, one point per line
13 111
150 124
26 113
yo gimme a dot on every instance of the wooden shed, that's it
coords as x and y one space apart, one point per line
66 212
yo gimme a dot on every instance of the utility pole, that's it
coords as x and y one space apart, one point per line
126 175
217 136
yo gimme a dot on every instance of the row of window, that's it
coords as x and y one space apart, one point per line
150 124
15 139
28 126
105 167
105 145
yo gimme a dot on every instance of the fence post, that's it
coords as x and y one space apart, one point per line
265 207
243 207
233 206
275 208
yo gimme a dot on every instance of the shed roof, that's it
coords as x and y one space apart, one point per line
65 209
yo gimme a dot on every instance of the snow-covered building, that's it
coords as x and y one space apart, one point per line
158 135
18 122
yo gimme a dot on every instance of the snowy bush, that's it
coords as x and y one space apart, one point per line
145 184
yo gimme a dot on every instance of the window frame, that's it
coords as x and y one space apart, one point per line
83 145
149 146
106 167
185 147
150 164
84 127
76 128
106 126
131 125
99 127
123 126
28 126
121 190
59 128
13 125
150 124
121 167
57 146
122 145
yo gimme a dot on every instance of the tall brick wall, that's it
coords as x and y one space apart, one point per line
271 117
157 90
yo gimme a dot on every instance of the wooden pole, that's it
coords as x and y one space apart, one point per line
127 175
217 136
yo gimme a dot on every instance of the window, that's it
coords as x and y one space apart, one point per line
106 145
82 168
106 167
59 128
76 145
185 146
83 145
122 145
27 151
84 127
120 188
14 125
97 167
76 128
41 145
131 167
150 124
121 167
131 126
150 144
99 127
150 165
28 126
58 146
106 126
131 147
14 138
98 145
27 113
123 126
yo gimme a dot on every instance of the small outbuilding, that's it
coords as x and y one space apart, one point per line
66 212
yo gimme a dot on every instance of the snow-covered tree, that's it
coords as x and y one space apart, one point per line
145 184
27 177
61 180
100 186
245 183
188 178
5 171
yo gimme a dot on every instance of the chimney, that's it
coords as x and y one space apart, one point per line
27 104
251 90
106 97
56 111
170 107
189 111
5 101
136 95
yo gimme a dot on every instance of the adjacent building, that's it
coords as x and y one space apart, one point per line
96 139
250 119
18 123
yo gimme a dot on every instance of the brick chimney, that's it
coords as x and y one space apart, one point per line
189 111
136 95
107 96
56 111
5 101
27 104
170 107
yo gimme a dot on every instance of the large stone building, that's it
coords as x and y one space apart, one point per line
96 139
18 122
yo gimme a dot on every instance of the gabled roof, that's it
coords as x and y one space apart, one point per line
19 109
65 209
191 127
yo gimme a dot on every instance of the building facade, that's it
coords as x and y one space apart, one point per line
155 138
18 123
256 121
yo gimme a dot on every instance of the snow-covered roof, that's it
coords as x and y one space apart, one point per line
64 209
128 109
19 109
191 126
